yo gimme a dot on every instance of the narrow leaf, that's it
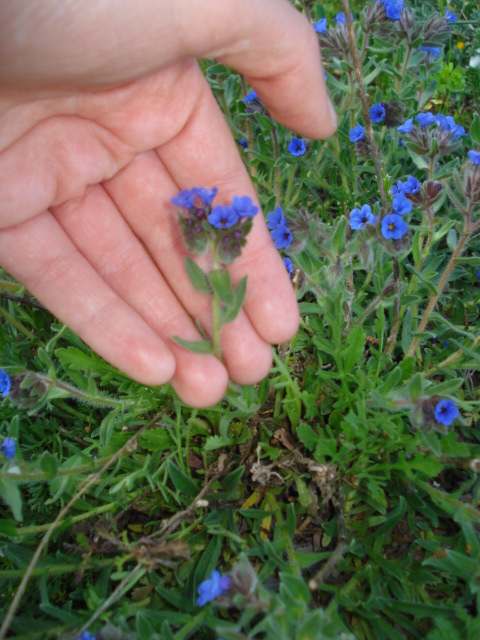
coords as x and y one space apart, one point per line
197 277
222 285
196 346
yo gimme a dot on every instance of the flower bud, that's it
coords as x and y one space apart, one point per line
394 113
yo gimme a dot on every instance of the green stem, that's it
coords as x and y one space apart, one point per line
276 171
81 395
398 84
123 587
431 167
27 531
16 324
441 286
215 309
58 569
289 185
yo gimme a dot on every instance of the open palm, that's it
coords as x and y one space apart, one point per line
88 226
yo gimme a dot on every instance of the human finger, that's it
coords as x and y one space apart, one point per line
43 258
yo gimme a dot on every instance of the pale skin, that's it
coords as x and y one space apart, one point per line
104 116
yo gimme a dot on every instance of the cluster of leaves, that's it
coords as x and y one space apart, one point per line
329 485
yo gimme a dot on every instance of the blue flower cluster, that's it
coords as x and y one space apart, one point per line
297 147
8 448
394 226
281 234
210 589
224 217
410 186
359 218
225 225
446 412
393 8
5 383
425 119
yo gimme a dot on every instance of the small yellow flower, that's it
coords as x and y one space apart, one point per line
460 45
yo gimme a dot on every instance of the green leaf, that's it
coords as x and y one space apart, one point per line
228 314
196 346
222 285
304 496
415 386
48 464
353 352
339 235
155 440
182 482
10 494
307 436
475 129
391 381
197 277
407 328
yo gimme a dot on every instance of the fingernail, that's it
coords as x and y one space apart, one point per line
333 113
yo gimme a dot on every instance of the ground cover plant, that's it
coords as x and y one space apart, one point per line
339 498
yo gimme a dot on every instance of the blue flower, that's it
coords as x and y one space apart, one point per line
250 97
359 218
401 205
406 127
425 119
321 26
275 218
243 143
223 217
8 447
448 124
393 8
377 113
288 265
394 227
474 156
450 17
446 412
5 383
210 589
244 207
86 636
297 147
185 198
282 236
341 18
357 133
478 274
206 195
411 185
433 51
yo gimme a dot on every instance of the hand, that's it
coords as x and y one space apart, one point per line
104 116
